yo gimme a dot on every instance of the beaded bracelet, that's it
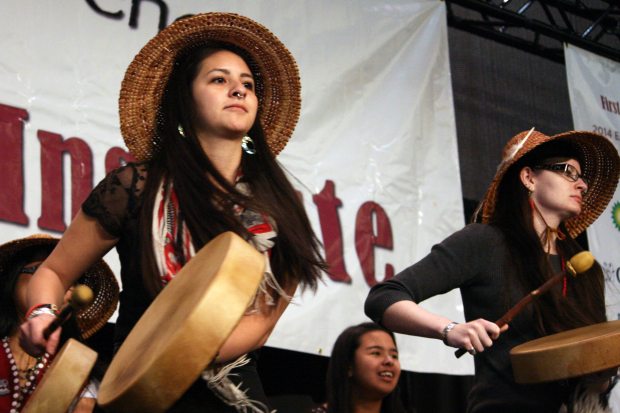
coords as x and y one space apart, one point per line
39 309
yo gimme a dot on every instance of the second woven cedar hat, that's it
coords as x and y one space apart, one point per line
276 74
600 166
98 277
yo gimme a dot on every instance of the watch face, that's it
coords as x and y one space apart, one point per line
447 329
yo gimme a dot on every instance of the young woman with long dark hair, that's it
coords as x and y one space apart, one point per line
363 372
546 191
204 107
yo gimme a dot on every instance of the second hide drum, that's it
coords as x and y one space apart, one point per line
64 380
568 354
184 327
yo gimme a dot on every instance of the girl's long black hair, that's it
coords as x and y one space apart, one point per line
584 302
339 384
205 196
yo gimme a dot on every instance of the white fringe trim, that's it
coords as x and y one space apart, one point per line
218 380
585 401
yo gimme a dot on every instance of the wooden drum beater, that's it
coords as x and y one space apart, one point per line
68 374
578 264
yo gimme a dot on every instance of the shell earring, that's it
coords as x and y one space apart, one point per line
247 144
181 130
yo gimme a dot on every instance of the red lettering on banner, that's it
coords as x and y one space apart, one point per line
54 149
327 204
12 164
52 172
117 157
366 240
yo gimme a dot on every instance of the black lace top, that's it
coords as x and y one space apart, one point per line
115 203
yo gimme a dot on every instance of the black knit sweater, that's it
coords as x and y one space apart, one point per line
476 260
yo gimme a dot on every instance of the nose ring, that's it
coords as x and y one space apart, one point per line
238 94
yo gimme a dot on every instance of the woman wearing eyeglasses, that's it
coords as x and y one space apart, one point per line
547 190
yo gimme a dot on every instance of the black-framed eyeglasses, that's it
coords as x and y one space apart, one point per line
565 169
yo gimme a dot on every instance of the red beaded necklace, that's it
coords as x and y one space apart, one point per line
24 380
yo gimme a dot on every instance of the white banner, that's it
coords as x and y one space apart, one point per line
594 89
374 153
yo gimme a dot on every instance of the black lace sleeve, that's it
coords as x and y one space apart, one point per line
117 197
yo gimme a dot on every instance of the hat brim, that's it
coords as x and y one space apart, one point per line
98 277
146 77
600 166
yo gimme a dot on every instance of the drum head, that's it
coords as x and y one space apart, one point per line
183 328
64 380
568 354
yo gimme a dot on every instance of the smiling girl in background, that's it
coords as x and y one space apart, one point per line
363 372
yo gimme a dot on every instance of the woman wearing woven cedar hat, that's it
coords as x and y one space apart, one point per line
204 107
547 190
20 373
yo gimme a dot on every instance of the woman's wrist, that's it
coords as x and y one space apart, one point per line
446 330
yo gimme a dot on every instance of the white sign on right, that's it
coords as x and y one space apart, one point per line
594 88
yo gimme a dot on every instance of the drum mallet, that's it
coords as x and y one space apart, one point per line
579 263
81 297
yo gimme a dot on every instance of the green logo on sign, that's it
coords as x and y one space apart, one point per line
615 215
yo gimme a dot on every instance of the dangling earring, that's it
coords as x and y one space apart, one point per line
181 131
247 144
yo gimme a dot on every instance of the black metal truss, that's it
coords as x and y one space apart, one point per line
542 26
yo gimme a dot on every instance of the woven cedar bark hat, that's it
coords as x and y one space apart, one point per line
99 278
600 166
276 75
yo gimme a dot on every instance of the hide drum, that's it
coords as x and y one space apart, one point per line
568 354
183 328
64 380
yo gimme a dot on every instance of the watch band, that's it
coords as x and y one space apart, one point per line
37 310
446 330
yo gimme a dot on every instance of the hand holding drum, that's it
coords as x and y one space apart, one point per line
181 332
578 264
